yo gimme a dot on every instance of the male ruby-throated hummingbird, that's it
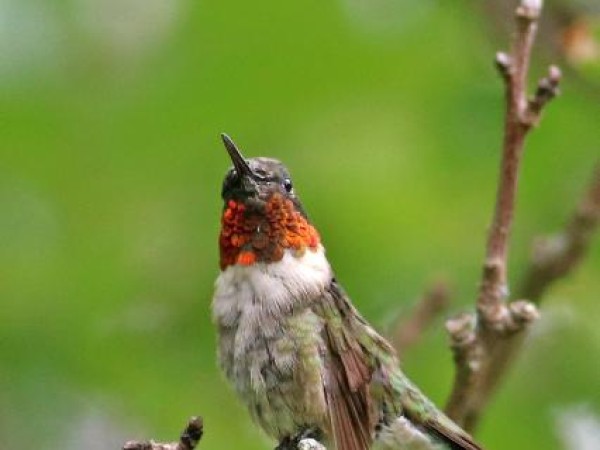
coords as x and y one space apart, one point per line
297 352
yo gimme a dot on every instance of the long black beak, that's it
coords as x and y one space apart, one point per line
240 164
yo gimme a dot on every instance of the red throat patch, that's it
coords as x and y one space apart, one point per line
263 236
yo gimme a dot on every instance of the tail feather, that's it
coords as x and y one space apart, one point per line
456 438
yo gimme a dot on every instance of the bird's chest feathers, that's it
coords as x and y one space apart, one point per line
249 296
265 321
253 305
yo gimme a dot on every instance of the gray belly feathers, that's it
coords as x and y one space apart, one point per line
269 340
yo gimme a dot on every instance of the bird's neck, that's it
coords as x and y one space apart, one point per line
264 233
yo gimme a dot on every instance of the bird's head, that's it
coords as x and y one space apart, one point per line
262 216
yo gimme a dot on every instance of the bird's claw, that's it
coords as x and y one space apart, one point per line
310 444
307 439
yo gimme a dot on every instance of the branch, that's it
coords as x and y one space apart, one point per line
406 333
521 114
188 441
191 436
475 339
556 256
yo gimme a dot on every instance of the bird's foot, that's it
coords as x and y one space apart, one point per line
310 444
307 439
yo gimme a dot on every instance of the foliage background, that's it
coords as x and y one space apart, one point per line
389 116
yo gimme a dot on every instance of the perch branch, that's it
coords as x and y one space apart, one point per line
405 333
191 436
188 440
475 339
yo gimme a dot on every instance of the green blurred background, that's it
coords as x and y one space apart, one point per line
388 114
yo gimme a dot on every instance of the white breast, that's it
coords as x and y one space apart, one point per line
252 306
269 289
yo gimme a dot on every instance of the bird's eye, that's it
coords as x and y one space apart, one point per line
287 184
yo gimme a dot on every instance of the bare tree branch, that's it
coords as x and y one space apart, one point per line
556 256
405 333
188 440
475 340
521 114
191 436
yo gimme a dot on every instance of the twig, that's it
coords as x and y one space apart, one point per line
556 256
188 440
475 339
553 258
521 115
191 436
405 333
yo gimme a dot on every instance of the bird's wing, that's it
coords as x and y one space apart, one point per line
347 373
353 352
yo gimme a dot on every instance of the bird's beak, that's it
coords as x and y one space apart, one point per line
240 164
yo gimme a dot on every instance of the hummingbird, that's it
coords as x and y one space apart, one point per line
295 349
